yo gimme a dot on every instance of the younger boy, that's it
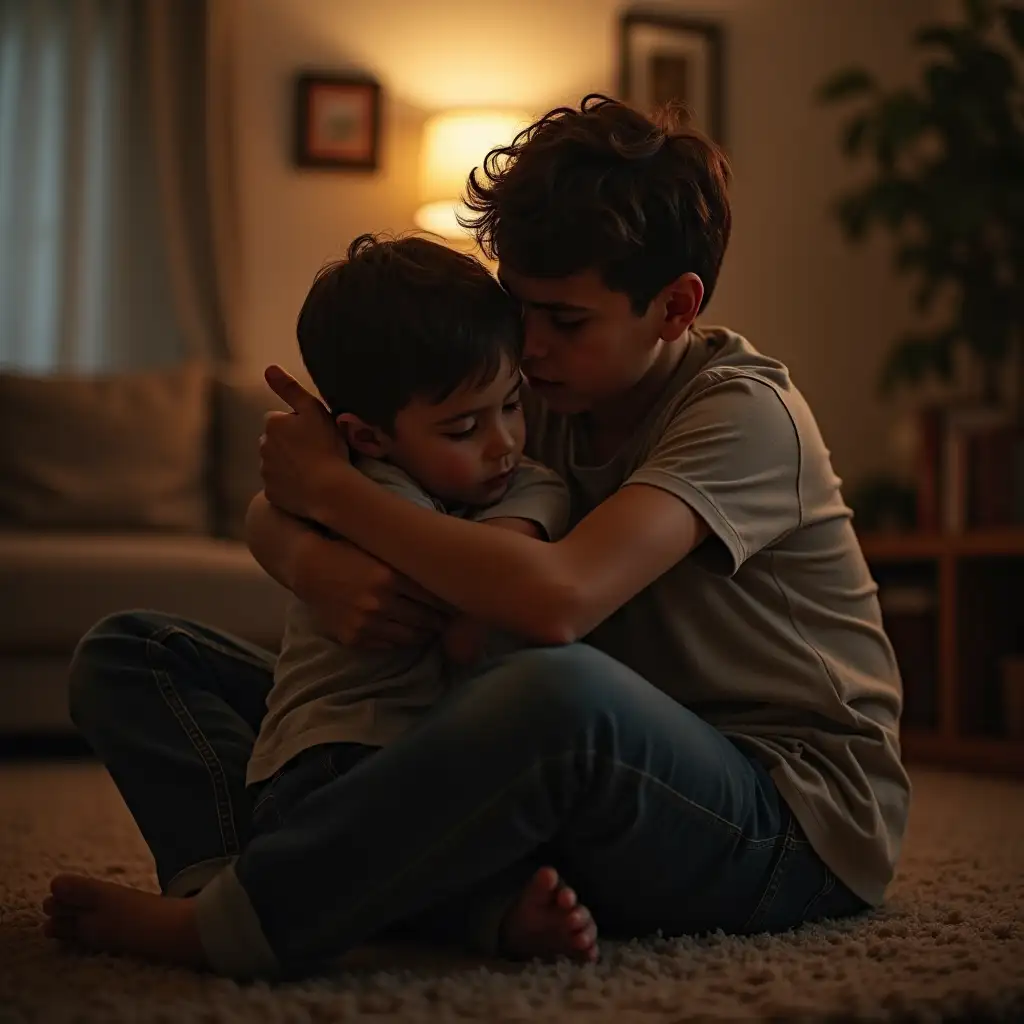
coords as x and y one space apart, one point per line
415 349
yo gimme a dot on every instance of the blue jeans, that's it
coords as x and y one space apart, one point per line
559 755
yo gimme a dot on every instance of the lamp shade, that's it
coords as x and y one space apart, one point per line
453 144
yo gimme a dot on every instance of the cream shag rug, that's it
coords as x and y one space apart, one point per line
950 944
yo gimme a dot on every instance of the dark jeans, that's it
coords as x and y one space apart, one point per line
558 755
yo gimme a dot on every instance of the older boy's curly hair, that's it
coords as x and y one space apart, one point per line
640 200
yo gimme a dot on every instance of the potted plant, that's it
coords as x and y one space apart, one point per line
948 184
946 181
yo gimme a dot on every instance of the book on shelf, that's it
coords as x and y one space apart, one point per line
970 469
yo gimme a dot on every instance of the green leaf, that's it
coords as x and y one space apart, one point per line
914 256
1013 22
915 357
942 355
854 133
943 84
952 39
991 69
893 200
924 297
844 84
854 215
901 118
979 13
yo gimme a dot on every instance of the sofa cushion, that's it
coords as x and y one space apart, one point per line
53 587
111 453
240 403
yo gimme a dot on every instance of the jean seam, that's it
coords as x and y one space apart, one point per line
207 754
774 882
445 841
328 764
235 654
268 805
266 794
750 843
827 886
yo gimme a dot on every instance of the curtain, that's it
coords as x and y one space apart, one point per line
118 224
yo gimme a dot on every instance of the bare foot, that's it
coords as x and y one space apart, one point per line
547 920
109 918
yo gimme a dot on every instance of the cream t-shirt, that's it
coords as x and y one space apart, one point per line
771 629
325 692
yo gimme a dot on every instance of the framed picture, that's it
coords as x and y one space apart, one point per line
337 121
663 58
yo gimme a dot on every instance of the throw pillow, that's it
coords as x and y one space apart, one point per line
112 452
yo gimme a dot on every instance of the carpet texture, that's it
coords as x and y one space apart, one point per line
950 944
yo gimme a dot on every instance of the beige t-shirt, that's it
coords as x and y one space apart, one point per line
771 629
325 692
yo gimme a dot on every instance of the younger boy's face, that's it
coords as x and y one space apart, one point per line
584 344
463 450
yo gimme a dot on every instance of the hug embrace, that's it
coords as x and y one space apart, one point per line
581 644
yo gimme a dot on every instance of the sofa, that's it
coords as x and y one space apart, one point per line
123 491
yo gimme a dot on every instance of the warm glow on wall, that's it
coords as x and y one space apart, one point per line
453 144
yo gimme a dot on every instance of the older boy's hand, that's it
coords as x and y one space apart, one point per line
297 447
363 602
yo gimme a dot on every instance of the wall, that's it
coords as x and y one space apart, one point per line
789 282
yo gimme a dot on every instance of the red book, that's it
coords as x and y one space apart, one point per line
974 483
991 498
929 455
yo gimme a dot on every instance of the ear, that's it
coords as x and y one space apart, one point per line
682 300
363 438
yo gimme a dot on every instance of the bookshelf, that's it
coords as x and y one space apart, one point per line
951 647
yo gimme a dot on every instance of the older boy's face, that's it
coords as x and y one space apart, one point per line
584 343
463 450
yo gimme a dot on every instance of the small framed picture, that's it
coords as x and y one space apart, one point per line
337 121
663 58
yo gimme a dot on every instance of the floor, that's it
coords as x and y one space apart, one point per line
949 946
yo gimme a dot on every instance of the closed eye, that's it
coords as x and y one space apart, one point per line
461 435
562 324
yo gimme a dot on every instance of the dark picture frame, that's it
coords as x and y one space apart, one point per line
665 58
337 121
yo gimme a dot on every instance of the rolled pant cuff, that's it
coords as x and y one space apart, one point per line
230 931
197 877
485 931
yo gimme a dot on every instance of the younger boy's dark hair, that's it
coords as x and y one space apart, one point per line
399 319
640 200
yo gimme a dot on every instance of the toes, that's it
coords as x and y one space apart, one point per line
53 907
545 880
63 929
579 919
566 898
585 938
74 890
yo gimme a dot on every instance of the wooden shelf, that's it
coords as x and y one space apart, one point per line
971 753
888 547
951 652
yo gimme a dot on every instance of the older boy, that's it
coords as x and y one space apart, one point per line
722 749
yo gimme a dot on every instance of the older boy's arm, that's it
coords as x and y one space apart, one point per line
358 598
465 638
551 593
